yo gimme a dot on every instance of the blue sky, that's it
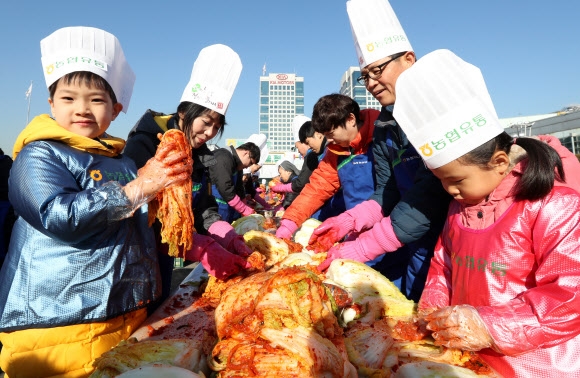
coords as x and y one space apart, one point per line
528 51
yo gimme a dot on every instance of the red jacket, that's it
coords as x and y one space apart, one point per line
324 181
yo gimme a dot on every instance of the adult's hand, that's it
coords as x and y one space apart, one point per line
214 258
287 229
227 237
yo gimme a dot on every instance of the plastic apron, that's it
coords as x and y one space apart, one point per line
504 267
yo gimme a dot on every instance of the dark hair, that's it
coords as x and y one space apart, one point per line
539 175
1 151
252 148
332 111
191 111
306 131
90 79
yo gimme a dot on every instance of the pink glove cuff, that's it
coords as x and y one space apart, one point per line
223 233
365 215
282 188
240 206
384 235
287 229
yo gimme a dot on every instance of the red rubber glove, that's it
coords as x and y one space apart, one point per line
361 217
214 258
286 230
368 246
282 188
240 206
227 237
459 327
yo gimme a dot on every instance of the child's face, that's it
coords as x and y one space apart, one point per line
82 110
204 128
469 184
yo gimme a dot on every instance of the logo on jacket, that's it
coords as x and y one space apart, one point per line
96 175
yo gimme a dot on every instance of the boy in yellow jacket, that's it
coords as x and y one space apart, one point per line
82 265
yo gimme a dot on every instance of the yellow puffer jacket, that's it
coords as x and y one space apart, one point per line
64 352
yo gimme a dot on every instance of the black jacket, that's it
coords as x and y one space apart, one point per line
406 189
5 165
141 146
310 164
222 174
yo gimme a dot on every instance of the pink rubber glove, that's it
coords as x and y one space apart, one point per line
262 202
214 258
282 188
368 246
227 237
459 327
361 217
240 206
286 230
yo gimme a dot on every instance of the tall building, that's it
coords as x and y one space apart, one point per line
358 92
281 99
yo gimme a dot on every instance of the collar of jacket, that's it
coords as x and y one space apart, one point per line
386 117
43 127
237 160
165 122
364 137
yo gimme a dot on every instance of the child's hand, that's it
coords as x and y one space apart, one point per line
163 170
171 164
459 327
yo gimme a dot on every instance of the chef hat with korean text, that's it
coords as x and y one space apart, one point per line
214 78
260 141
297 123
81 48
376 30
444 108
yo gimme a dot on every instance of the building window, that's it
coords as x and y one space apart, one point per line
299 88
264 88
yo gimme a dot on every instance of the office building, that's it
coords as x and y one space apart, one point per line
351 88
281 99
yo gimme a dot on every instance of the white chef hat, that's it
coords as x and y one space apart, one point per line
82 48
297 123
260 141
214 78
444 108
376 30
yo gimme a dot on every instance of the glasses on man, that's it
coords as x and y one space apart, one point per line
376 72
